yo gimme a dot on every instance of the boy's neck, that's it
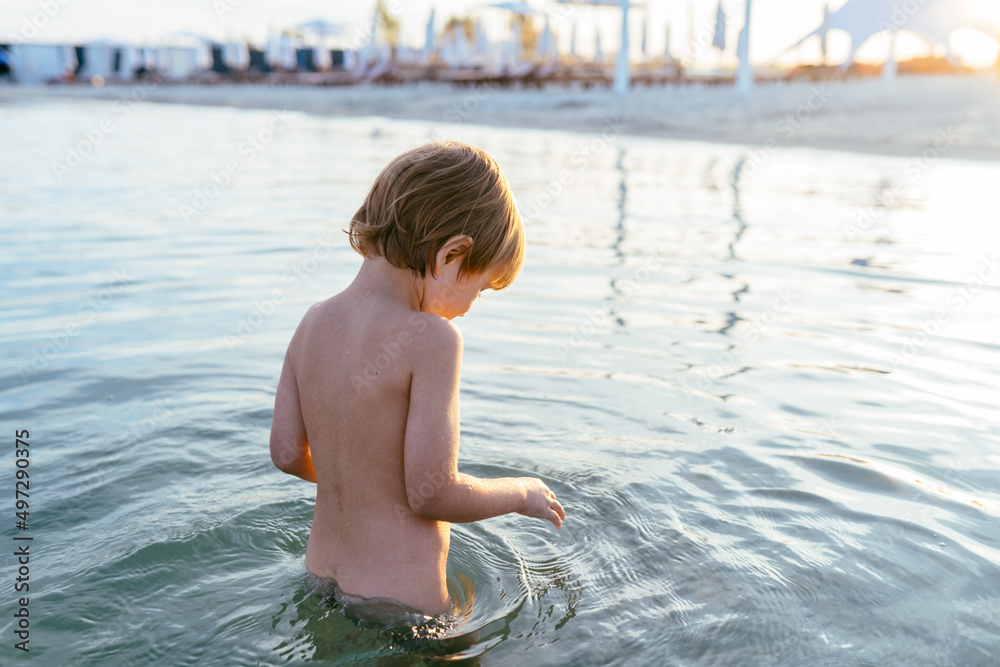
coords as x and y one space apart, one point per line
377 277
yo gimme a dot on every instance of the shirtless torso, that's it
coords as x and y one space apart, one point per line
364 534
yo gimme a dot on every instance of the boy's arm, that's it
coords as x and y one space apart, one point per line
434 487
289 445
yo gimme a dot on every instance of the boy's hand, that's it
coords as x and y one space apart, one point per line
541 503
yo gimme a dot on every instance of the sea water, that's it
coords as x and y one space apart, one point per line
762 382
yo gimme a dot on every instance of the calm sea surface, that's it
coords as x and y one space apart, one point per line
764 386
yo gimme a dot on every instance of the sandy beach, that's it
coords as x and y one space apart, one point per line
901 118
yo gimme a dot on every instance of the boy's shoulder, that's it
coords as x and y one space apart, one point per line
433 327
411 329
427 336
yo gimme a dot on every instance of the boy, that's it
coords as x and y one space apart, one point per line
367 403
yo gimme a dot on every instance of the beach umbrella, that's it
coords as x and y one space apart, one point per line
622 73
322 58
272 51
430 39
824 31
482 47
645 30
162 60
719 41
598 51
744 74
236 55
515 42
289 61
204 57
279 54
148 57
131 61
666 46
70 61
463 51
572 41
201 43
889 67
447 50
370 50
542 47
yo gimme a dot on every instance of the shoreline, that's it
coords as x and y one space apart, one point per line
901 118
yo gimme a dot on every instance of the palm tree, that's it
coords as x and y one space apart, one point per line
387 23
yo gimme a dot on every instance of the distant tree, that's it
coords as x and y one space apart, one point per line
388 23
466 23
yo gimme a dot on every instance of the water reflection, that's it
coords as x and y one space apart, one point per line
731 317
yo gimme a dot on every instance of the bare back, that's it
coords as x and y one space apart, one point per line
352 362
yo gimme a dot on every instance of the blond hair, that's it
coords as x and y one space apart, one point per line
434 192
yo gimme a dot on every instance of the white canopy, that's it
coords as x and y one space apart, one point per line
516 44
934 20
323 28
463 50
322 58
40 63
482 45
236 55
280 52
370 53
546 48
178 62
99 59
719 40
180 55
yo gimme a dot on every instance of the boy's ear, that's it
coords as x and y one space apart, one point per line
453 248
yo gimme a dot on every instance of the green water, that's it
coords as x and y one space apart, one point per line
722 368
